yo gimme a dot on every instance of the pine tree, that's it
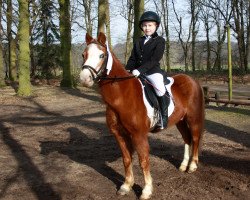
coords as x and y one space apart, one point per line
47 32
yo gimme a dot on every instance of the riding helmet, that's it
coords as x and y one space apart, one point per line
150 16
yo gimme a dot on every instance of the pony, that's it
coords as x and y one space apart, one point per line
126 114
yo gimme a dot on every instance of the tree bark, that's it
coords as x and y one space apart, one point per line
194 14
11 44
65 37
184 44
165 10
24 88
248 38
2 82
87 13
107 22
101 16
240 22
130 25
138 10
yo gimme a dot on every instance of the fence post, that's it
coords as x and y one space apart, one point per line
230 83
206 94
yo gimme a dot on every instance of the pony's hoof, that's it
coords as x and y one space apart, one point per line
183 168
192 167
123 190
143 197
146 193
191 170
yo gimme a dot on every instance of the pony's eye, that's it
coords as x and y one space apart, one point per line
102 55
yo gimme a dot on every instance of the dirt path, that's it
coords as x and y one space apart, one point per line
55 145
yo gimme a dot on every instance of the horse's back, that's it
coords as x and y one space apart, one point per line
186 87
188 96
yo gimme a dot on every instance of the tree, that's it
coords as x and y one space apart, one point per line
248 36
47 32
24 88
138 11
2 82
87 4
107 23
104 19
65 37
11 43
181 35
205 17
129 16
239 8
101 16
194 19
33 29
163 8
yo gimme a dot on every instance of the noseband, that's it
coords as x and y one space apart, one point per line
96 75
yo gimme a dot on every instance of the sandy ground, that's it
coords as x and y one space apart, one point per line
55 145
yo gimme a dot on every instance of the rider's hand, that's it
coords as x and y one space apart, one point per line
136 73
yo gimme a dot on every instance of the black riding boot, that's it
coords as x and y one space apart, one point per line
163 103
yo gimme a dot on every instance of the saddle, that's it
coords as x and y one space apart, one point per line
150 92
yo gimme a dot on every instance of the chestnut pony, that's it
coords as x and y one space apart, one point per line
126 113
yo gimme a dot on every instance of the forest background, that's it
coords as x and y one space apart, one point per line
44 39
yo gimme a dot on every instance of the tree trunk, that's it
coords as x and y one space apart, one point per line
194 32
101 16
220 40
24 88
65 36
87 13
11 44
107 22
166 28
237 7
2 82
138 11
208 47
130 21
248 39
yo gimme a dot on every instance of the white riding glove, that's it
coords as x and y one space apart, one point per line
136 73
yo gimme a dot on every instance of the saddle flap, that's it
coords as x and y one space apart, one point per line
150 93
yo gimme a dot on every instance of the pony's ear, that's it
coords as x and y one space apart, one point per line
102 38
88 38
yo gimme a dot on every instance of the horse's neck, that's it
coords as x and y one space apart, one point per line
118 69
112 90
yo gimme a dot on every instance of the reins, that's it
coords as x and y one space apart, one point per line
116 78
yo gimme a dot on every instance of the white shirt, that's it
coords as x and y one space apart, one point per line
147 39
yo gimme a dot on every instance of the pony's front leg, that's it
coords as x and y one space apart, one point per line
125 145
142 148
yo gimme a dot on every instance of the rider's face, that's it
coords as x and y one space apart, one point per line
149 28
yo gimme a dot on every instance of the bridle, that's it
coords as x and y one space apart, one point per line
96 75
99 75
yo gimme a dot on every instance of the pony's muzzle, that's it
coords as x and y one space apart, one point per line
86 78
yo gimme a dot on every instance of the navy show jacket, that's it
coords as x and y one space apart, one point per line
146 57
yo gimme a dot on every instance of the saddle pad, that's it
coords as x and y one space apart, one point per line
152 113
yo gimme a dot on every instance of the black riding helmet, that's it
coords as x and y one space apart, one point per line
149 16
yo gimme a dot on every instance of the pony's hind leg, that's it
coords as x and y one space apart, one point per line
196 131
125 145
186 135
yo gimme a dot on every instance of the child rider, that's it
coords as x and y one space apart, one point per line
145 60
